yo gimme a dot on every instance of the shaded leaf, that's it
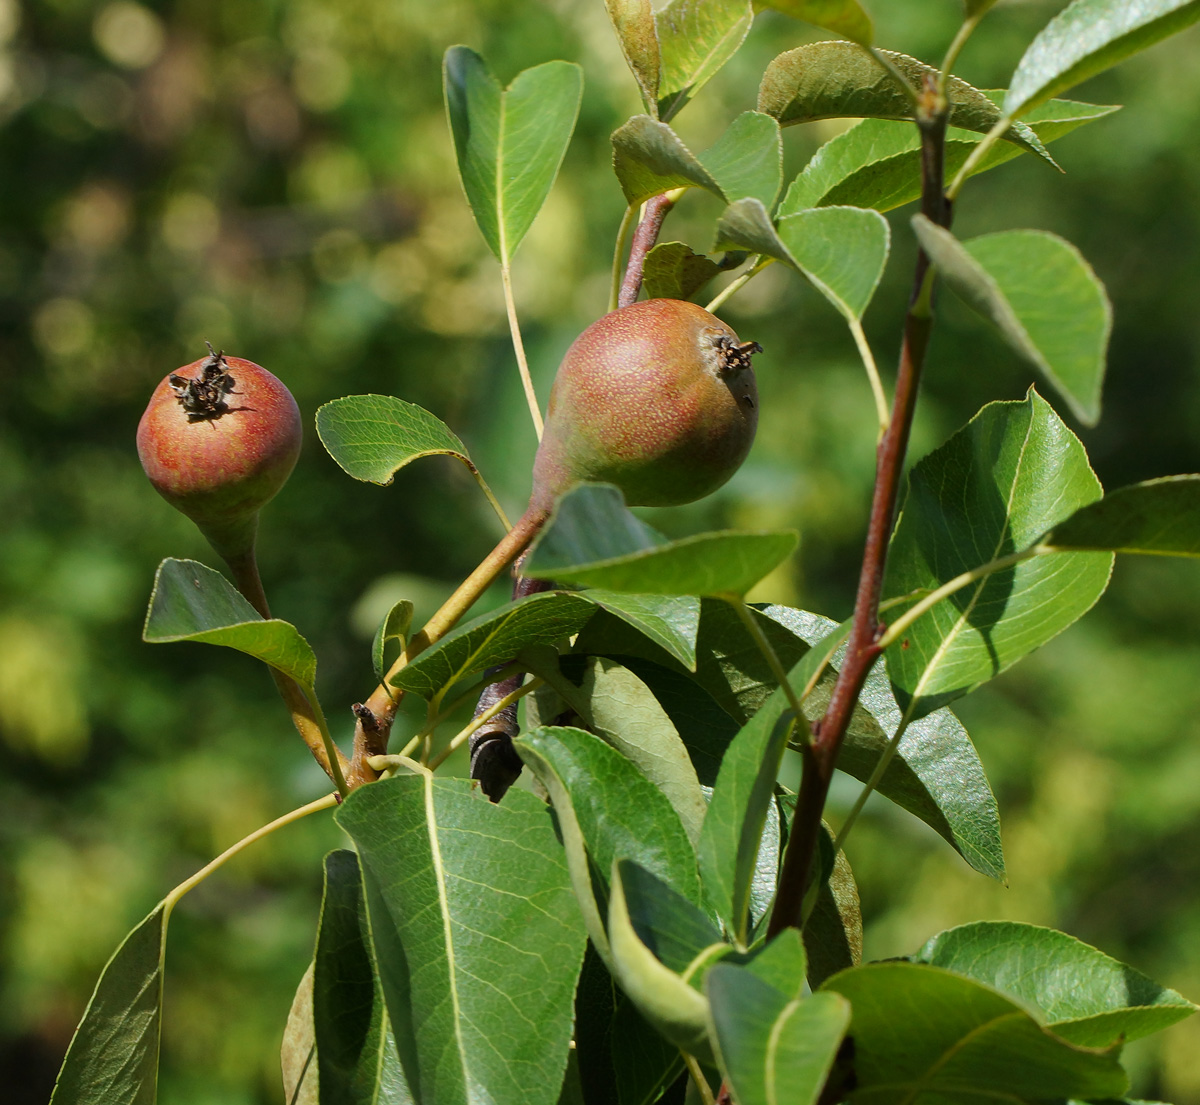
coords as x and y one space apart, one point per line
843 17
1041 295
994 488
747 160
509 142
355 1051
842 250
696 38
373 436
494 638
1082 994
633 20
1087 37
592 540
877 162
477 939
394 627
831 80
833 933
113 1057
1159 516
649 158
920 1029
680 934
298 1052
193 603
670 621
747 225
673 271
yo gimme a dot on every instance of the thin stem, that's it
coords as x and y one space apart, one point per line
627 221
331 749
900 626
881 766
393 761
960 40
757 265
501 704
772 657
483 486
327 802
644 238
868 360
698 1079
535 412
977 155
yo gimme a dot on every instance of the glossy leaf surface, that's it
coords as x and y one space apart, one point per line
1083 995
1160 517
476 934
993 489
1087 37
509 141
191 602
113 1057
1042 296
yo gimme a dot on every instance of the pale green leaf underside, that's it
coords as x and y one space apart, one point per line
1086 38
373 436
193 603
993 489
394 627
509 142
633 21
1160 517
113 1057
1042 296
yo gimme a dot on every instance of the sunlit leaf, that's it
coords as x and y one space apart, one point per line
670 621
298 1051
1041 295
476 935
193 603
828 80
842 250
633 20
747 160
1086 38
1082 994
843 17
113 1057
993 489
509 141
696 38
1161 517
673 271
394 627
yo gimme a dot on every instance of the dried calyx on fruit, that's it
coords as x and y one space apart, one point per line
658 398
218 440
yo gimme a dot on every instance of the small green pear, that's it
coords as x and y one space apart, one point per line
658 398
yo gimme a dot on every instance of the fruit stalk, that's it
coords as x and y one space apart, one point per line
644 238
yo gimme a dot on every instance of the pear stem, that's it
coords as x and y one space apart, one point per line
643 242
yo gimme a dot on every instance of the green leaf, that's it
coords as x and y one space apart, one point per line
877 162
477 938
617 706
773 1045
737 813
833 80
747 160
747 225
394 627
665 999
1082 994
193 603
649 158
670 621
113 1057
843 17
509 142
373 436
592 540
842 250
833 932
673 271
355 1051
1160 517
1086 38
923 1032
607 810
633 20
1012 473
298 1051
495 638
936 774
681 935
1041 295
696 38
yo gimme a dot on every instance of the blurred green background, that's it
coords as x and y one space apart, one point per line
276 177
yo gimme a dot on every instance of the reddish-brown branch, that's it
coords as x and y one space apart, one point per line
644 238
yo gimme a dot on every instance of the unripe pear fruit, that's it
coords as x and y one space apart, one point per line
658 398
218 439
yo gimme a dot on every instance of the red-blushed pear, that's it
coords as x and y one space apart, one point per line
218 440
658 398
